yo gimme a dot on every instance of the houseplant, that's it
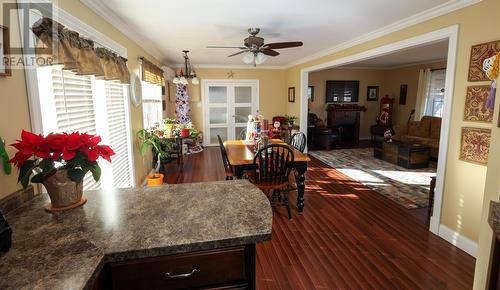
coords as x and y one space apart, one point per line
59 161
160 147
291 120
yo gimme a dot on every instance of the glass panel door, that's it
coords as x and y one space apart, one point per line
243 105
227 105
217 109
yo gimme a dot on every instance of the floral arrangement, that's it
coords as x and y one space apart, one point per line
75 152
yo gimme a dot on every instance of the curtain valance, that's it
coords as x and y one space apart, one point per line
67 48
152 73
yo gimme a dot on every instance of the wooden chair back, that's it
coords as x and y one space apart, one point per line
273 165
225 160
298 141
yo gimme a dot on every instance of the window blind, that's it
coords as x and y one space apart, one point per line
74 104
118 133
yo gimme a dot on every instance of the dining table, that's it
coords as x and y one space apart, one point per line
241 153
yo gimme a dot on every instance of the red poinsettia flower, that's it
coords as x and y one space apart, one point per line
105 152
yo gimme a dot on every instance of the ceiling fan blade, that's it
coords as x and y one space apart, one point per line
240 47
240 52
270 52
278 45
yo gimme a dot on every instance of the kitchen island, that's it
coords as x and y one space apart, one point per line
172 236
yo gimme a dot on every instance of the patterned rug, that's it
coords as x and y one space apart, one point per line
408 187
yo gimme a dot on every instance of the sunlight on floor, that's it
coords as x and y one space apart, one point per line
407 177
360 175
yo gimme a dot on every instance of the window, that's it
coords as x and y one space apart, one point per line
435 93
151 104
71 102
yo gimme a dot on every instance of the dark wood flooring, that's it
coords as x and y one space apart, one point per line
349 237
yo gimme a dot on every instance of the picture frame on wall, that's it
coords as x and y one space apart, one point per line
291 94
403 92
5 70
372 93
310 93
478 54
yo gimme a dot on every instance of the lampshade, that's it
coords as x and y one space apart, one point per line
195 81
176 80
183 80
260 58
248 57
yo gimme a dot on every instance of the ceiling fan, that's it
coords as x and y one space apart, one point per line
256 51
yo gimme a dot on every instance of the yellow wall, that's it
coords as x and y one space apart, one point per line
14 113
14 100
272 91
463 182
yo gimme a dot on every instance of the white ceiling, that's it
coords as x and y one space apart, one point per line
167 27
437 51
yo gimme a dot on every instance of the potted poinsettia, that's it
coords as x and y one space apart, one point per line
60 161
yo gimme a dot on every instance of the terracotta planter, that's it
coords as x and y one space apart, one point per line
154 179
185 133
63 192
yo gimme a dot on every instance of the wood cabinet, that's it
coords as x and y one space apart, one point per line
225 268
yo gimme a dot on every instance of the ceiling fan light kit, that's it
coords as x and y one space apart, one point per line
255 51
188 73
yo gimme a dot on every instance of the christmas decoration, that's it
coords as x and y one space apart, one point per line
182 110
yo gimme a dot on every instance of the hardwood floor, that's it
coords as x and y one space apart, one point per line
349 237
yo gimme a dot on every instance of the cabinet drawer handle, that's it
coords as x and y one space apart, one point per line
181 276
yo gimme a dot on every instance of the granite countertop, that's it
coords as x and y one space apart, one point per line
67 250
494 217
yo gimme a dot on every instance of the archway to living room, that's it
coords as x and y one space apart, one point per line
357 120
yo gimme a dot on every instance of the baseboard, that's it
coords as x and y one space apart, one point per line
461 242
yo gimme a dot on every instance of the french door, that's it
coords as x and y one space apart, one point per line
227 105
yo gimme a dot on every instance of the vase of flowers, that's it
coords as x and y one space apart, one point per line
60 161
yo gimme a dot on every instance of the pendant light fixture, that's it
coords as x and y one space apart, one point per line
187 72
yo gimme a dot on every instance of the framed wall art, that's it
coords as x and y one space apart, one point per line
5 70
475 104
403 92
478 54
372 93
475 145
291 94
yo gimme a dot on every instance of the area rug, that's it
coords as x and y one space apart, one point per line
407 187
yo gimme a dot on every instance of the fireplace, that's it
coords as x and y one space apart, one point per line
346 119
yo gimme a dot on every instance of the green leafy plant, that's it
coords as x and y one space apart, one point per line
7 168
290 119
151 140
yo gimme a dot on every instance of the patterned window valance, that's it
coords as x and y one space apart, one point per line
152 73
65 47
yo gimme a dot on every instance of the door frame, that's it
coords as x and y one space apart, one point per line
204 100
449 33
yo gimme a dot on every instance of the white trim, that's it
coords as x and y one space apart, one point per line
456 239
431 61
423 16
108 15
450 33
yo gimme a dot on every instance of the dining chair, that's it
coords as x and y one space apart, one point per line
228 169
273 165
298 141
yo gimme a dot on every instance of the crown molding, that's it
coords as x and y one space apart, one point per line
108 15
221 66
423 16
407 65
